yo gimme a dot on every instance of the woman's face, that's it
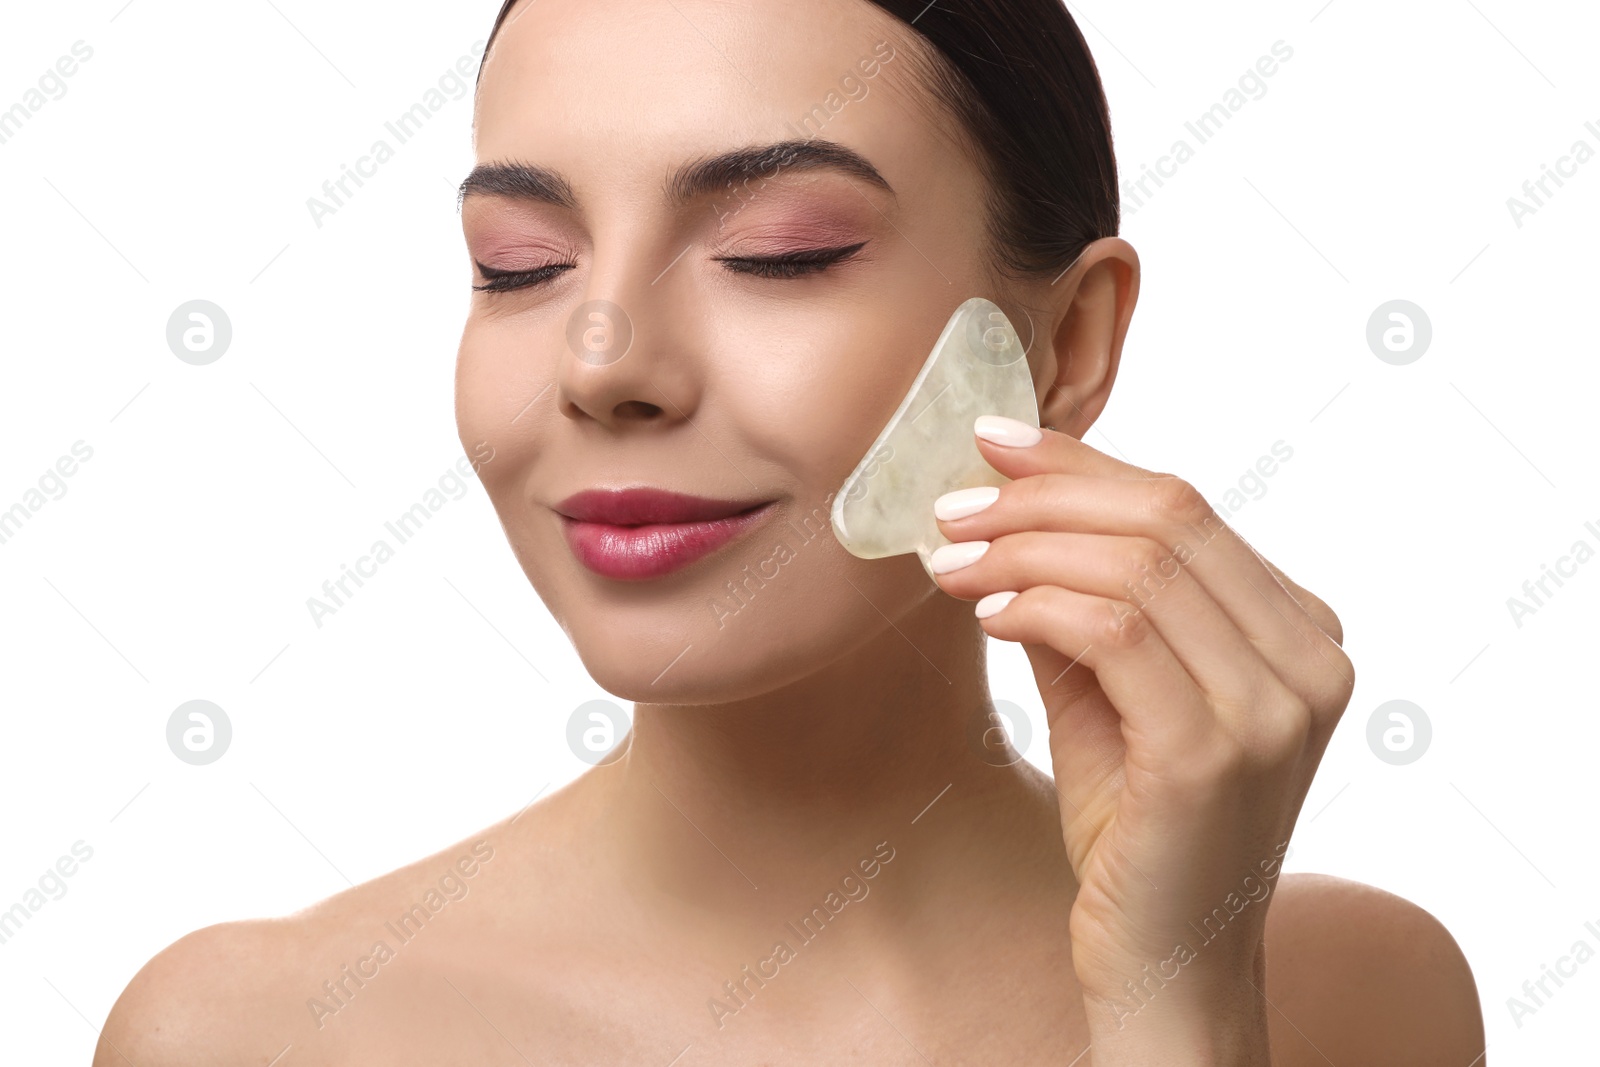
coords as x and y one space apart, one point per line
700 374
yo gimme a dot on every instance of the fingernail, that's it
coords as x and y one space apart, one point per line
947 558
964 502
991 604
1005 431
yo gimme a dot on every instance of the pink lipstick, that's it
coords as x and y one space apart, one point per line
641 533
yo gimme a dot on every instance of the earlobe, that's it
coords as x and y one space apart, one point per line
1094 302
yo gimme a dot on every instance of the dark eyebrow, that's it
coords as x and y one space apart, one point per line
525 181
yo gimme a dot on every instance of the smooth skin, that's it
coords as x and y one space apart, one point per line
815 735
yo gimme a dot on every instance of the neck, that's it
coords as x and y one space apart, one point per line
747 811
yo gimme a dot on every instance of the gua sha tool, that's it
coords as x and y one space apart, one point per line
977 367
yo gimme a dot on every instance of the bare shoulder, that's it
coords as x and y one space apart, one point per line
1356 974
186 1005
245 992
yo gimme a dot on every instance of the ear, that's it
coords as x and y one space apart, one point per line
1088 308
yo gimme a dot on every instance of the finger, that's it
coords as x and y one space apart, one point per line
1172 513
1321 614
1164 714
1242 687
1052 451
1088 752
1020 451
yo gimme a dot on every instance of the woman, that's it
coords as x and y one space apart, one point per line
712 244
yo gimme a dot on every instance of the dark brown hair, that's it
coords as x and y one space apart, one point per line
1018 76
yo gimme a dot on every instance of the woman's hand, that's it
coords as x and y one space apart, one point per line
1190 689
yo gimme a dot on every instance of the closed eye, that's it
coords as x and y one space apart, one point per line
789 265
499 281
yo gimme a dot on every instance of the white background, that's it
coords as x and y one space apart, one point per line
177 166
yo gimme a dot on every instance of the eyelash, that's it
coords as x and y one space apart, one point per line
787 266
792 264
500 281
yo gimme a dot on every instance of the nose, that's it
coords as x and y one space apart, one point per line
629 359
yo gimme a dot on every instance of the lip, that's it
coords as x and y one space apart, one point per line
642 533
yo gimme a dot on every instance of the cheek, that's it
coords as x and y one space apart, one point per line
498 391
495 382
813 385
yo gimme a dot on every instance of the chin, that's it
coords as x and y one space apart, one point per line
695 648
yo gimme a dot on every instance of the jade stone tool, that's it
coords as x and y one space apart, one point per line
977 367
